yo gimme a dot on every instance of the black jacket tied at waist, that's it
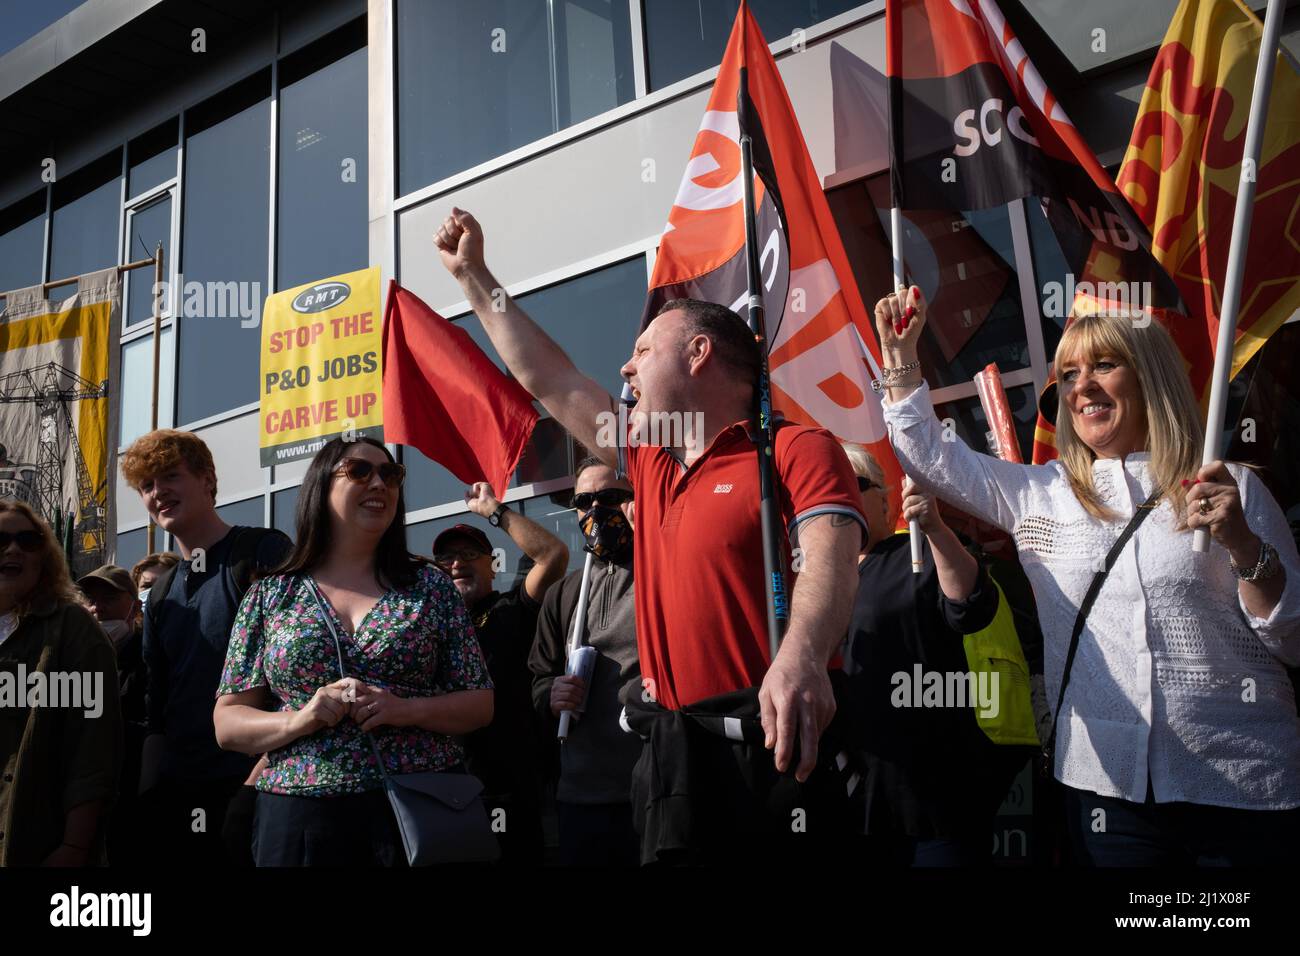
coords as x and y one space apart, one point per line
705 790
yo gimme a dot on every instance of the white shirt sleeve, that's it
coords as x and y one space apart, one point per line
998 492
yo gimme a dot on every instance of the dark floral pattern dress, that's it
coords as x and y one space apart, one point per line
415 642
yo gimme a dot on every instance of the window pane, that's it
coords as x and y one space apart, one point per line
555 513
322 224
152 158
973 426
131 546
594 318
145 229
227 179
965 264
284 506
84 232
22 237
545 457
502 73
427 482
247 512
136 386
684 37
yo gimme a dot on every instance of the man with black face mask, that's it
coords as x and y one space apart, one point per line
596 758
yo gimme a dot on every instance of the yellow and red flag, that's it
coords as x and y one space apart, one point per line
1182 168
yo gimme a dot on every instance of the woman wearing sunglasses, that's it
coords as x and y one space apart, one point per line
415 675
60 757
934 780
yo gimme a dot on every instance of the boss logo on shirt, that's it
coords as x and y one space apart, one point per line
722 489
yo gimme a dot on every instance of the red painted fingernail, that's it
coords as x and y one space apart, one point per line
1197 481
1184 482
911 311
916 291
898 328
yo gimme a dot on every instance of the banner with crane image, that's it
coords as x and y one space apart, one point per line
58 411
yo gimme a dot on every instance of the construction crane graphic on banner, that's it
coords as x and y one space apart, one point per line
51 390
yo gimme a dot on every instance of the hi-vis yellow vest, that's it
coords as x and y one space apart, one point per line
997 649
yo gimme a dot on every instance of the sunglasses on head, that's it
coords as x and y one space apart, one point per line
359 470
609 497
28 541
866 484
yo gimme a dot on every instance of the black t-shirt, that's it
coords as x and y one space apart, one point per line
505 754
185 643
932 770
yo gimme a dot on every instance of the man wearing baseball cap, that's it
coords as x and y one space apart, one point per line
505 755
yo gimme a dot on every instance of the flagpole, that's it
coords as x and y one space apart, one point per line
1236 268
764 433
896 241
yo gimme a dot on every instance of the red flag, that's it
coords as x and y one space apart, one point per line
822 355
443 396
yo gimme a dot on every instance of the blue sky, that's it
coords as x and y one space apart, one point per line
20 20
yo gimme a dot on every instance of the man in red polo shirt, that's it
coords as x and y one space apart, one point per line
700 601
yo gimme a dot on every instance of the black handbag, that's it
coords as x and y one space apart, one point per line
440 815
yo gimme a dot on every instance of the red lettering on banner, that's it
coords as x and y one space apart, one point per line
359 405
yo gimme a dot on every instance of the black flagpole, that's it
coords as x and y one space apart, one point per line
763 433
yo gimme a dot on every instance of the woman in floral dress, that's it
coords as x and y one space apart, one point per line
415 676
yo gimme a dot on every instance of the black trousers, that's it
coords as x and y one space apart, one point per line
598 834
356 830
181 823
1107 831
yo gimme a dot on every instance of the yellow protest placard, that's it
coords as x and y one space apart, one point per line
321 377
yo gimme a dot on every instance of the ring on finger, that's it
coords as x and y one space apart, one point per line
1206 507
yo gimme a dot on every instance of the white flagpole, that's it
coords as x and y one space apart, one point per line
1237 248
896 240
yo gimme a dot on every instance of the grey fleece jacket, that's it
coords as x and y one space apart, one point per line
597 759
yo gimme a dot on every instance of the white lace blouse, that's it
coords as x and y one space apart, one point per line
1173 676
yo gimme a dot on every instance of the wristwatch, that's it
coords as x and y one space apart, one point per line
1265 568
494 519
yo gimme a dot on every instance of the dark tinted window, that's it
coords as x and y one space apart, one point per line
131 546
22 237
87 206
152 158
323 212
502 73
248 512
594 317
684 37
227 181
284 505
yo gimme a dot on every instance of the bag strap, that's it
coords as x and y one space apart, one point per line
338 648
1085 607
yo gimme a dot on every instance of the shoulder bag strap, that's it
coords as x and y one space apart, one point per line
338 649
1085 608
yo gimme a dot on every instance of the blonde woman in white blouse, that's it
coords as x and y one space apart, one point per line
1179 721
